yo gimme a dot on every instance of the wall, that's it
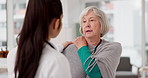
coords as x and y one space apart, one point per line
71 10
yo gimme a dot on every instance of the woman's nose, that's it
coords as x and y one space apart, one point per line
87 24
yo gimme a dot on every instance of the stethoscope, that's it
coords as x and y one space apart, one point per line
96 47
50 45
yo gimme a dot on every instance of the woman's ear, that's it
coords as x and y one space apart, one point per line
56 23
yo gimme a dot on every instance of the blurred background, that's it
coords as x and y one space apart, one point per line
128 25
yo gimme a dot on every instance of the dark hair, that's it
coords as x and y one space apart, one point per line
33 35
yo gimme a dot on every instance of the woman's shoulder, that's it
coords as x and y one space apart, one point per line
52 54
69 49
11 61
52 57
71 46
12 53
107 46
111 44
52 61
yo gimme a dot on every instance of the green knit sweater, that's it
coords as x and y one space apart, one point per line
84 53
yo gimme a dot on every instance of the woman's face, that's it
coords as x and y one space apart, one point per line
91 25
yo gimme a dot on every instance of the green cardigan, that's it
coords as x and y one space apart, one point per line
92 70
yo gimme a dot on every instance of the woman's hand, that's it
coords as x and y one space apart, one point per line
80 42
65 44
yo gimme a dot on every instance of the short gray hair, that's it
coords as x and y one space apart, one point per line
102 17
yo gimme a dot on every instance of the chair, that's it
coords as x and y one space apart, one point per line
124 69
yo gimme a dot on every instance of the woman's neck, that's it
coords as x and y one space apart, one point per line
93 41
48 39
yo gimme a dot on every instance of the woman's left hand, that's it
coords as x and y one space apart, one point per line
65 44
80 42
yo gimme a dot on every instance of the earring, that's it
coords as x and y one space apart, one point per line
101 35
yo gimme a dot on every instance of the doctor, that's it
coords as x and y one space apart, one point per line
36 56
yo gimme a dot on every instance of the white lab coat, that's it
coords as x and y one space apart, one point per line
53 64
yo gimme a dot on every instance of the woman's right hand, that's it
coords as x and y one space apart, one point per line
80 42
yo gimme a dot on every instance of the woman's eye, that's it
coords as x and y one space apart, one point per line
91 20
84 21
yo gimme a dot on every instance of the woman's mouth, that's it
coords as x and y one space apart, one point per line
88 31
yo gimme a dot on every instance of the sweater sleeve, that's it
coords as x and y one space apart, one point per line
89 64
108 58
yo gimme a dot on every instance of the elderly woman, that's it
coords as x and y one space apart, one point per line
91 56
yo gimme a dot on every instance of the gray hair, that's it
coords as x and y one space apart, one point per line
102 17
